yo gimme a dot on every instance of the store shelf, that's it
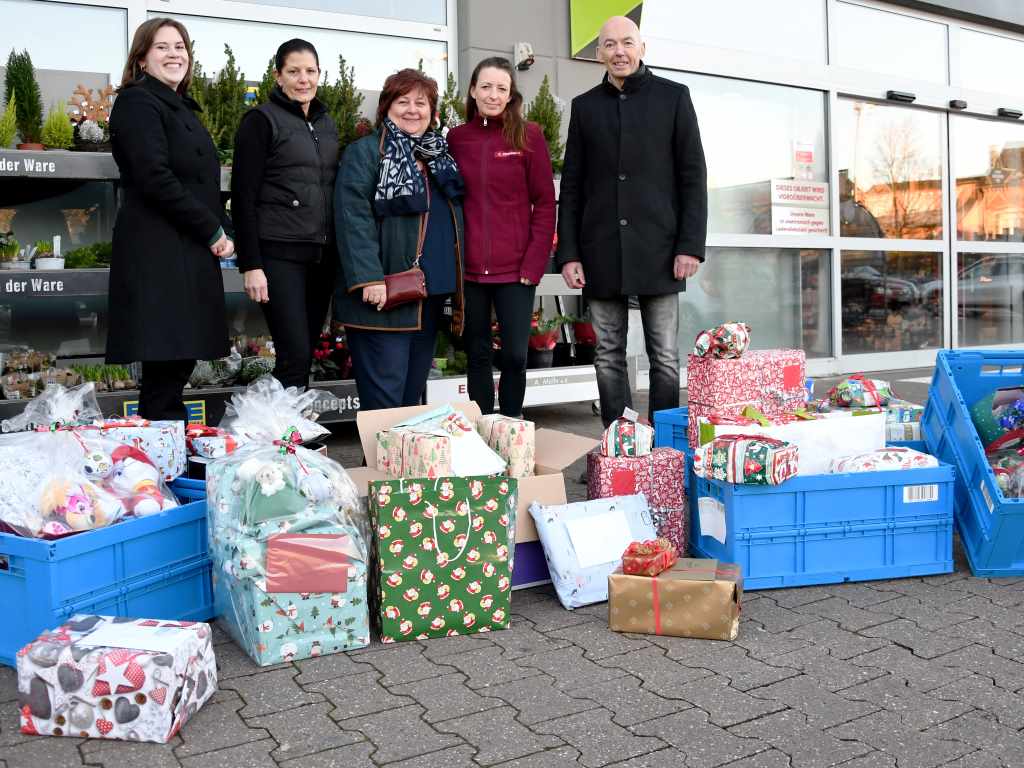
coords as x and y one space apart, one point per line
206 406
57 164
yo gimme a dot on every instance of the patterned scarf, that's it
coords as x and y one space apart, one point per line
401 188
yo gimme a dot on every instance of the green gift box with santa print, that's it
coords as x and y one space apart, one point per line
445 548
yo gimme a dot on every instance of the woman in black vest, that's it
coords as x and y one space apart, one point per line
166 300
282 190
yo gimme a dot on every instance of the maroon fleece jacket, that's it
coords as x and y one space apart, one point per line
509 205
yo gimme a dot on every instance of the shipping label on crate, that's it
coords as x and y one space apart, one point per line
919 493
987 496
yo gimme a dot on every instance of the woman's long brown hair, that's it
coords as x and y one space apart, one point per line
513 124
141 44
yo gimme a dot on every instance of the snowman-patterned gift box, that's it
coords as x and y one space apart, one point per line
445 548
115 678
162 441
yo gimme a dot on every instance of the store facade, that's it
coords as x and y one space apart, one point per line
865 191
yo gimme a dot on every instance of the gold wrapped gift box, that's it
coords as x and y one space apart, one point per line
694 598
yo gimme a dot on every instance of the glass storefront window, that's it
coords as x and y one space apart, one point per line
990 298
890 43
890 170
783 293
427 11
891 300
62 36
988 164
990 62
374 57
788 145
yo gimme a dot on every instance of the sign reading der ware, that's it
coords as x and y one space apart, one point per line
799 207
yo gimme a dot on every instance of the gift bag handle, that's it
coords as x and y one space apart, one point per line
469 528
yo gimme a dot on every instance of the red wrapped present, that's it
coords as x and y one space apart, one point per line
772 379
649 558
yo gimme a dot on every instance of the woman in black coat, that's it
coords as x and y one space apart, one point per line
282 191
166 297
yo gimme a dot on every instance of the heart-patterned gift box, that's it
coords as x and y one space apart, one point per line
115 678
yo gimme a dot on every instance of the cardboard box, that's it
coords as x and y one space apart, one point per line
694 598
555 451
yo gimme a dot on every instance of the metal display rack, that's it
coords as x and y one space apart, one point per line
341 400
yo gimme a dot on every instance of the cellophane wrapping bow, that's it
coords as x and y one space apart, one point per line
57 406
263 495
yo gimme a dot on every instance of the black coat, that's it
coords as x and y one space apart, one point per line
634 187
166 297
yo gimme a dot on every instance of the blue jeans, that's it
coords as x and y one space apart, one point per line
391 367
660 315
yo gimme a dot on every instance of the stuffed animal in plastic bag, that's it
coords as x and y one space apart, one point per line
68 506
136 480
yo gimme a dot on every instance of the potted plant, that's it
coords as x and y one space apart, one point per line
9 123
543 338
586 340
21 80
44 258
10 250
58 132
90 116
546 111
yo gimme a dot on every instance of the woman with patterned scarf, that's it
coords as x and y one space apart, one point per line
398 203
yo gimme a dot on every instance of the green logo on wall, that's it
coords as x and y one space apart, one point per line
586 18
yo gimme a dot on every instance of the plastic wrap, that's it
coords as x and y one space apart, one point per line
57 406
66 481
216 373
283 517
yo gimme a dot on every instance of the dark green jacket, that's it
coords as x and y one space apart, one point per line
370 247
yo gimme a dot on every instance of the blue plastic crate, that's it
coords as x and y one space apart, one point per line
825 528
991 526
156 566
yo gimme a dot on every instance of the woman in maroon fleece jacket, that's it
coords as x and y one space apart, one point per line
510 221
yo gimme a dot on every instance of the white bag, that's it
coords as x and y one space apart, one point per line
583 543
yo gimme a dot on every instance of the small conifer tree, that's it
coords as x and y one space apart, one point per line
547 113
21 79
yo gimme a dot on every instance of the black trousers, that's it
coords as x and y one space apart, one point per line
513 305
160 393
300 293
391 367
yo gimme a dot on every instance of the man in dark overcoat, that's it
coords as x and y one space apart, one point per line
632 212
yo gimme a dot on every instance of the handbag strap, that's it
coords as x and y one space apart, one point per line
422 236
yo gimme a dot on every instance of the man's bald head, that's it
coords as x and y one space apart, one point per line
620 48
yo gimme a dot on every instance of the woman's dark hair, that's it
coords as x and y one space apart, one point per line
513 125
143 41
295 45
402 82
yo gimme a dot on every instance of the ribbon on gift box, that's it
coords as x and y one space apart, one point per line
309 562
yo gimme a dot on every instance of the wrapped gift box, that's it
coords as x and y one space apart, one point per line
162 441
747 460
694 598
673 524
402 453
512 439
446 551
440 443
648 558
773 379
820 439
625 437
886 459
727 340
583 543
209 442
660 476
858 391
115 678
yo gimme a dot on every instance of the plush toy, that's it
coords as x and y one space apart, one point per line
67 506
97 465
136 480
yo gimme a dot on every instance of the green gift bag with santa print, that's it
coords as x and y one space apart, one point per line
445 549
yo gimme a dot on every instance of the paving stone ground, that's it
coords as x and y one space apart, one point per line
914 673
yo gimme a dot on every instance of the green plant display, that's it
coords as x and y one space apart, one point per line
106 376
9 246
452 109
93 256
43 247
9 123
20 78
222 101
266 84
343 101
547 113
58 132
